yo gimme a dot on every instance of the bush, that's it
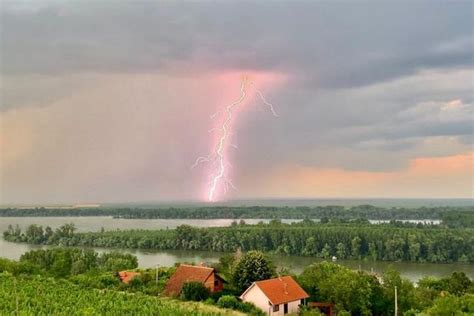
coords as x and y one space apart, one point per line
231 302
226 291
305 311
94 280
195 291
228 301
6 265
117 261
107 280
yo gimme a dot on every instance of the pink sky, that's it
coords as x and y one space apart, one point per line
141 134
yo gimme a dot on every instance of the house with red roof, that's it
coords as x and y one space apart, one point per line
188 273
277 296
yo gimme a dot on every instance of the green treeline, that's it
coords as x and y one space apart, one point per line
362 211
62 262
458 219
345 241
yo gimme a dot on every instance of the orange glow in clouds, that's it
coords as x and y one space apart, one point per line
449 176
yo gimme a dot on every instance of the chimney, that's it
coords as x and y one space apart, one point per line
285 285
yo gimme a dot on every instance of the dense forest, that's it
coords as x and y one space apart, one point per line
317 212
389 242
49 282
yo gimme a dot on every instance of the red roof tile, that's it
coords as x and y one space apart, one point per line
127 276
282 290
186 273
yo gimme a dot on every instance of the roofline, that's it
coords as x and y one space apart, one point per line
299 298
200 267
248 289
256 283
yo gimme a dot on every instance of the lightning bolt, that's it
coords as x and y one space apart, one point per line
219 176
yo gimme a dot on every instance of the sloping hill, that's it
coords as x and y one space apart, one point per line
46 296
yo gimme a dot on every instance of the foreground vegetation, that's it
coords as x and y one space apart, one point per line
47 282
354 240
361 293
210 212
37 295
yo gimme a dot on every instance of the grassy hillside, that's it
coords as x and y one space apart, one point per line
47 296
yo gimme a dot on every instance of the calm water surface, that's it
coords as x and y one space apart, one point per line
95 223
150 258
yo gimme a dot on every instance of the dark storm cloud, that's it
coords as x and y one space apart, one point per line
329 44
377 127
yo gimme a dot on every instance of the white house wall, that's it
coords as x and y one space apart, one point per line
256 296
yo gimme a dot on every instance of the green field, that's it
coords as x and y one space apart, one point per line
38 295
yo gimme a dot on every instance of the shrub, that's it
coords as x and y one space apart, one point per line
226 291
195 291
107 280
228 301
94 280
6 265
305 311
231 302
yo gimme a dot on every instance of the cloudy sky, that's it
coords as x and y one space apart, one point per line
110 101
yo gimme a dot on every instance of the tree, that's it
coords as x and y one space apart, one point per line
226 265
34 234
48 234
330 282
458 283
341 251
355 247
117 261
311 247
445 305
66 230
405 291
326 252
253 266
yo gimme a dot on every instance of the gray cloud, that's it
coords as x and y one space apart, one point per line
384 124
329 44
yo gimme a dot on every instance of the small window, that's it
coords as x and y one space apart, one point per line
276 308
216 282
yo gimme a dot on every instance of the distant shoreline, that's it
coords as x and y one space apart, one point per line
346 202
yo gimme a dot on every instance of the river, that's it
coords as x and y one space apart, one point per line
150 258
95 223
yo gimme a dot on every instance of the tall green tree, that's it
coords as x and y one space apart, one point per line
252 266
